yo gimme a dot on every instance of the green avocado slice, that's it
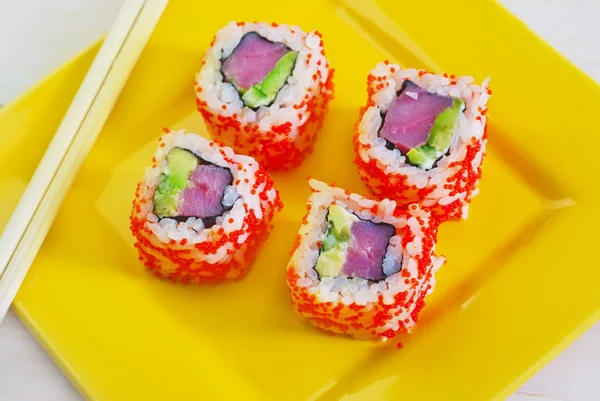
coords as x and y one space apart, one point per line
330 263
440 137
423 156
254 97
444 127
174 178
335 242
265 92
278 75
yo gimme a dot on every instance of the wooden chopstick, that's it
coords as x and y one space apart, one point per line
33 216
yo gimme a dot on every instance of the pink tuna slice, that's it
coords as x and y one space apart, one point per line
408 121
367 249
202 196
252 59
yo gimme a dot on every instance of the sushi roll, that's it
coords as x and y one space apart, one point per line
201 211
362 267
422 137
263 89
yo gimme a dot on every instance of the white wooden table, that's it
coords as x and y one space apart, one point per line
37 36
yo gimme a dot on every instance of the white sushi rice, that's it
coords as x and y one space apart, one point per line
230 195
217 93
239 196
471 126
348 290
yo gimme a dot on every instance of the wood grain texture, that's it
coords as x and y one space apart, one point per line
37 36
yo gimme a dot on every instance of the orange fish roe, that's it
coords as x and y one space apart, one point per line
274 149
187 262
383 317
460 183
280 146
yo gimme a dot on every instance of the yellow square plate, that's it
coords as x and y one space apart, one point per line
517 288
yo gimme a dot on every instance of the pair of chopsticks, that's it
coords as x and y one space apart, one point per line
33 216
